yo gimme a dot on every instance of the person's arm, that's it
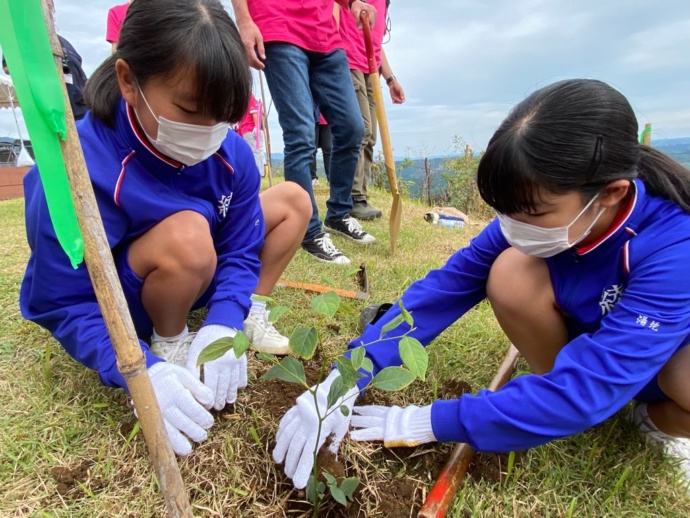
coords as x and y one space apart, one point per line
394 86
60 298
437 300
252 39
238 243
336 14
113 47
112 30
356 7
594 375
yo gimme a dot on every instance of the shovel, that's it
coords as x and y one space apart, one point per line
396 209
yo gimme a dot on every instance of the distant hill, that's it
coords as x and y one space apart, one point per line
676 148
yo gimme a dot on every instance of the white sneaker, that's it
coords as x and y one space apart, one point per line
674 447
173 352
263 335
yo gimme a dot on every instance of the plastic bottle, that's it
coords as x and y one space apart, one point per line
444 220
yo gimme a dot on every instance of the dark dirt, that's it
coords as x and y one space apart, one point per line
489 467
453 389
67 478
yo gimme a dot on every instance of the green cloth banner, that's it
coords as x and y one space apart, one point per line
25 43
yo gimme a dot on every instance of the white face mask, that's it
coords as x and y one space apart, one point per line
186 143
542 242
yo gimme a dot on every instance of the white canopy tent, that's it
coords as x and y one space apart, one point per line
8 99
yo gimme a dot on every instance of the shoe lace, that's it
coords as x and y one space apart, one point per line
327 245
353 225
267 326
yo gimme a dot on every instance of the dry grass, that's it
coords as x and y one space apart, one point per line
67 448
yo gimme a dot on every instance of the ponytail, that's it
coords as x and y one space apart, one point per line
102 91
664 177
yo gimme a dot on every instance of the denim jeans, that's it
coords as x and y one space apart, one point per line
297 79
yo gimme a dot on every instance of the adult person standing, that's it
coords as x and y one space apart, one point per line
248 128
116 15
74 75
298 46
357 58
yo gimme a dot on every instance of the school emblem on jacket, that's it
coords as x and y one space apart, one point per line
610 297
224 205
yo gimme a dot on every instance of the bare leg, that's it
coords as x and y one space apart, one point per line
520 291
673 417
177 261
287 210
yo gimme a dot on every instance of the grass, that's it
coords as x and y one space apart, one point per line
69 447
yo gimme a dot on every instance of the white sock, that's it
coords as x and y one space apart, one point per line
258 306
158 338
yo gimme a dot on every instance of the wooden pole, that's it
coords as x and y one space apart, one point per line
99 261
448 481
267 134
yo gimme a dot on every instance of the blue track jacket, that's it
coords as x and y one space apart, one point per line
137 187
628 294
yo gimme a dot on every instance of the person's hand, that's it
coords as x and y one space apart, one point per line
397 92
223 376
358 7
253 43
297 438
395 426
181 399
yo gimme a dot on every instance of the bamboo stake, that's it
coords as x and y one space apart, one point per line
448 481
647 134
99 261
267 134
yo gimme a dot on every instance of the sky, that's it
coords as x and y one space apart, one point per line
464 64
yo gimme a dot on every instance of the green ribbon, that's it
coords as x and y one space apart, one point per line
25 43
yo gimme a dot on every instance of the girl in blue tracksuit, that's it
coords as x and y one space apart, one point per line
179 198
585 269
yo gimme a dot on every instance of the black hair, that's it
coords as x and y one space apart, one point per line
573 135
161 38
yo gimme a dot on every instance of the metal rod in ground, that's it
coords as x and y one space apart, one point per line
99 261
449 480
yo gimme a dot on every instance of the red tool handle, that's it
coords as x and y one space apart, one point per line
364 18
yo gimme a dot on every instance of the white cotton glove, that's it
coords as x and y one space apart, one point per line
223 376
181 398
395 426
298 430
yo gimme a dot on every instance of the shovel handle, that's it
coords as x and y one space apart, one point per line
448 481
360 295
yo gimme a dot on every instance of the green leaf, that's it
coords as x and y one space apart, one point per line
349 486
392 379
289 369
345 410
414 356
310 489
392 324
276 313
326 304
347 371
353 271
338 494
267 357
357 357
263 298
240 343
406 314
368 365
337 390
328 281
303 342
214 350
329 478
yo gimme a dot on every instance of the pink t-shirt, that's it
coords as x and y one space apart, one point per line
247 123
116 16
308 24
353 38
